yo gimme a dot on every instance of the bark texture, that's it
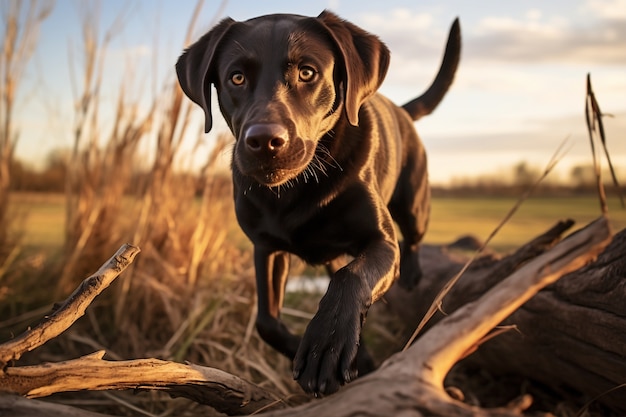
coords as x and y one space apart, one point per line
570 337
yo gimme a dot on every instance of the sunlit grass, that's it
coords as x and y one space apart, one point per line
40 219
451 218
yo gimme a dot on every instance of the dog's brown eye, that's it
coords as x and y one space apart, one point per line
237 78
306 74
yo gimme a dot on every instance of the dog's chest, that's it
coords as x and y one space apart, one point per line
317 234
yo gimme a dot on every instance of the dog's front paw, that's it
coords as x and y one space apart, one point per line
326 356
327 352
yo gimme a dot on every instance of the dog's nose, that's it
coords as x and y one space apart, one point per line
268 138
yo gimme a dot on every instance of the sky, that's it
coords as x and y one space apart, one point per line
518 94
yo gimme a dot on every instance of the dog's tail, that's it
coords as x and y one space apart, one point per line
428 101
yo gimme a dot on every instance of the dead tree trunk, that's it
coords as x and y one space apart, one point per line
570 337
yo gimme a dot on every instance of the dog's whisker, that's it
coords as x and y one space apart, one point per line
314 173
323 165
320 167
332 162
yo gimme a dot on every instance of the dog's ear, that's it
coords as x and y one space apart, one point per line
365 61
195 65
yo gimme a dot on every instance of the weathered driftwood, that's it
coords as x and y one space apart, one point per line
225 392
570 337
410 383
72 309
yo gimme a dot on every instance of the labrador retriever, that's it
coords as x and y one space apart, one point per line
322 167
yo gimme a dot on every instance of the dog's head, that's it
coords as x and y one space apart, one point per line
282 81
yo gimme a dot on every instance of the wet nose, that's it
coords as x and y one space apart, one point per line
266 138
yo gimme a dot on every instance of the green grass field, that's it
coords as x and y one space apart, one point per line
453 217
41 217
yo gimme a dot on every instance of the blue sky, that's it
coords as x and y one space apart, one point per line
518 93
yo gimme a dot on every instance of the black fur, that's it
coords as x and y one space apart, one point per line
322 167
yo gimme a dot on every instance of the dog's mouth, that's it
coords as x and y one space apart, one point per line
313 170
276 170
275 177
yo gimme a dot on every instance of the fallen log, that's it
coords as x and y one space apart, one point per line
66 313
410 383
570 337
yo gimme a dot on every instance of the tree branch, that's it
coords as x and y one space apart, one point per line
72 308
226 393
462 331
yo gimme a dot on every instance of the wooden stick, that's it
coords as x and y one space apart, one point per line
226 393
72 308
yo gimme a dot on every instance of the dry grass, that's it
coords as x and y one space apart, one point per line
17 42
190 294
100 168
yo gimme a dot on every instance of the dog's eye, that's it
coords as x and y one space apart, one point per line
306 74
237 78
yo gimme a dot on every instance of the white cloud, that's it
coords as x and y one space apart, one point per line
606 9
409 34
534 14
478 153
400 20
531 25
599 39
532 36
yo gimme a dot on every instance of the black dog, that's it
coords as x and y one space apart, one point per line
322 166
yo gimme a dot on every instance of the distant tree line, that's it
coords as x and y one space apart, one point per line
580 179
52 176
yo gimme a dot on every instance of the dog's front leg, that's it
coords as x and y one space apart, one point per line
326 357
272 268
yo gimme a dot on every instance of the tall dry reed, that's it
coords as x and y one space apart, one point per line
101 166
21 22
